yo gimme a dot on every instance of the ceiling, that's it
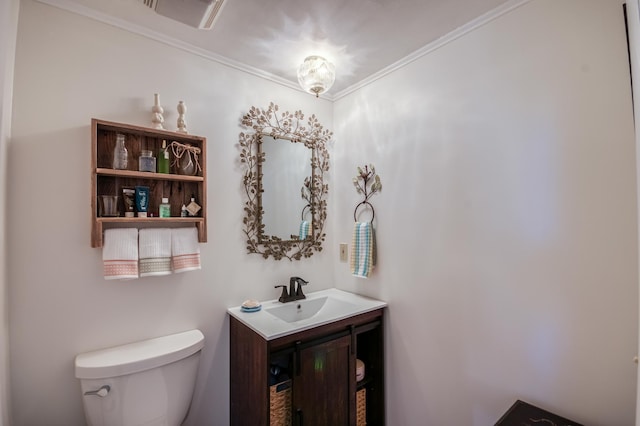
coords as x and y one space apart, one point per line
361 37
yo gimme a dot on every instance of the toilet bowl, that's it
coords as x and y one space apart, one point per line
146 383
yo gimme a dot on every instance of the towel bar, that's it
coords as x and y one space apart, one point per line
361 203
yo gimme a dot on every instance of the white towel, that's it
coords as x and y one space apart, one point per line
155 251
185 249
120 253
362 250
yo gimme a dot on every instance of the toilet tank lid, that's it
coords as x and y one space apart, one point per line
138 356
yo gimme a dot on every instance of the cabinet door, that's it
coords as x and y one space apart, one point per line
324 389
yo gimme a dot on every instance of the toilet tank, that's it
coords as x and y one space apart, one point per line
146 383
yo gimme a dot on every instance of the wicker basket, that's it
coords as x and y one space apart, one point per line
361 407
280 404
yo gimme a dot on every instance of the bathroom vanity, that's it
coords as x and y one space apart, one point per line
295 363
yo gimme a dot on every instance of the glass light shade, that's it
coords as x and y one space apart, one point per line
316 75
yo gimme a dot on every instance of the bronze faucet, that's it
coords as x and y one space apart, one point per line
295 292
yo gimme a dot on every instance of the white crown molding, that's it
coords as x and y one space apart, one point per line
434 45
71 6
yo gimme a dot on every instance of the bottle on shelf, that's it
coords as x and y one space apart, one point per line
120 153
165 208
184 212
193 208
163 158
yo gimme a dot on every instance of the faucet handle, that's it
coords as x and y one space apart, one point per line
284 296
299 292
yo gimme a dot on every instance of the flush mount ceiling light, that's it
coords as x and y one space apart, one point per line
316 75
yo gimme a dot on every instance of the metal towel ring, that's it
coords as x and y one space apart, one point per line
373 212
303 209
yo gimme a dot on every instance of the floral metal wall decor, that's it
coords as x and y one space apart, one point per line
290 127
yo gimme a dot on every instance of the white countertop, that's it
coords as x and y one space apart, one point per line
271 327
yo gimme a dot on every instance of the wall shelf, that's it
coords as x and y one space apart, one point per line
148 175
177 187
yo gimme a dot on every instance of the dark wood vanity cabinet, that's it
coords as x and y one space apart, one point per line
317 370
324 392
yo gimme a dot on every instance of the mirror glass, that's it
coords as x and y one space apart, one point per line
284 158
285 168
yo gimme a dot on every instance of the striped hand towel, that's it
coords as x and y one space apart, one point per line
305 230
155 252
185 249
120 253
362 250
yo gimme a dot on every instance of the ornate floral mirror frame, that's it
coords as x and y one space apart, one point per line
289 126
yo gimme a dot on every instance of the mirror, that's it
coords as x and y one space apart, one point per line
284 163
285 167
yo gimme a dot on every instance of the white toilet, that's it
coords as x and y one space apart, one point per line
146 383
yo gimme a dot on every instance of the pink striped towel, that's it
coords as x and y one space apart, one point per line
185 249
120 253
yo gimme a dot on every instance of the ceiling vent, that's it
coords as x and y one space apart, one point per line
200 14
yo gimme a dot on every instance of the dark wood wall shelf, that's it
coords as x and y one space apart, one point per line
178 188
148 175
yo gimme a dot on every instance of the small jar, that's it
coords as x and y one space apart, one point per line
147 162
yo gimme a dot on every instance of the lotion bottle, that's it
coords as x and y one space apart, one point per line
165 208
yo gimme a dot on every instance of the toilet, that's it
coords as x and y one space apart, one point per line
146 383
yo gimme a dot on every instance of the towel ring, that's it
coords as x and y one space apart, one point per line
355 211
303 209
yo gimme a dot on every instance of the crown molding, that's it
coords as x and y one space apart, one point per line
71 6
435 45
76 8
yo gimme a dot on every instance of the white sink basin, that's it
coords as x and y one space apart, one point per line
300 310
277 319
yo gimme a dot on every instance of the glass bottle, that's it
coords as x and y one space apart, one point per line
120 153
163 158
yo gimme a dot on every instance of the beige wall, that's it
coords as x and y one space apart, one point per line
507 221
